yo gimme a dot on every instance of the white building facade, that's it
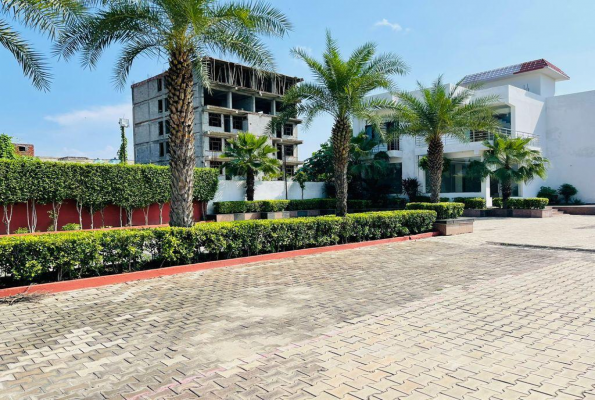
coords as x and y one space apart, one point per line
561 127
240 100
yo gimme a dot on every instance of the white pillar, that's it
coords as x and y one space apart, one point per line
273 107
485 190
229 100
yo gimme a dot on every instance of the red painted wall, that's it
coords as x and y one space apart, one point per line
69 214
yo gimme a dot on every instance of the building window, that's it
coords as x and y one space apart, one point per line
160 106
161 130
288 130
167 148
215 120
216 165
167 127
238 123
279 132
279 152
290 170
166 101
159 85
394 145
215 144
162 149
289 151
22 148
456 180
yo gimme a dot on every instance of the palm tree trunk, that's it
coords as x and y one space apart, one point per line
181 137
341 136
435 165
250 185
506 193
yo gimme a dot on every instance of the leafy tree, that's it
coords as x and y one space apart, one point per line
424 164
509 160
549 193
442 112
47 16
301 178
7 151
184 30
340 89
123 151
319 167
250 155
12 189
567 191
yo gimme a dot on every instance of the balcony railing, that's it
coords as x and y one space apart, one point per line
481 136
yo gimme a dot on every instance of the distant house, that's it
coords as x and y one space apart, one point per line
562 127
24 149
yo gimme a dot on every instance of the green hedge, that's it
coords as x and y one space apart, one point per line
232 207
474 203
443 210
70 255
428 199
530 203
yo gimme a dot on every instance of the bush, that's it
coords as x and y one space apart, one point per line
567 191
71 227
443 210
69 255
473 203
410 187
548 193
427 199
21 230
232 207
530 203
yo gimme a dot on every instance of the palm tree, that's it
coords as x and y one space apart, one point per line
185 31
47 16
250 155
510 160
339 89
440 112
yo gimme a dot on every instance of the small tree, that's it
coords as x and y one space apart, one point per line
123 152
249 157
509 160
301 178
411 188
7 151
567 191
12 191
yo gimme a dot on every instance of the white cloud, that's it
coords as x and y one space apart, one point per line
392 25
92 116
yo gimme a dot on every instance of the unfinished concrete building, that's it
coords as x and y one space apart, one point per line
240 99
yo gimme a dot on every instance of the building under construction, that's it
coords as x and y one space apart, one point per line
240 98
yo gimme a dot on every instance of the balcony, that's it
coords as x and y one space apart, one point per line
481 136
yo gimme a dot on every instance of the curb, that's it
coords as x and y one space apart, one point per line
87 283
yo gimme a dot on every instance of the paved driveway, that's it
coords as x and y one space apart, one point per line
448 317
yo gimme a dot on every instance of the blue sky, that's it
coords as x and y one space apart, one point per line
79 116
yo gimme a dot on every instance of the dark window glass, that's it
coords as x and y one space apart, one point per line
394 144
161 130
215 120
288 129
167 127
159 85
215 144
238 123
160 106
289 151
162 149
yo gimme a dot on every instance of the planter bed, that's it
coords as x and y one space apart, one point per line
73 255
471 213
449 227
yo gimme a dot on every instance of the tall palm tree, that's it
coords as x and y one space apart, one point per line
185 31
46 16
250 155
510 160
439 112
339 89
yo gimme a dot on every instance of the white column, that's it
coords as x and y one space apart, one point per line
485 190
229 100
273 107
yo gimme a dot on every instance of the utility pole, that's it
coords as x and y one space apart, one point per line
123 152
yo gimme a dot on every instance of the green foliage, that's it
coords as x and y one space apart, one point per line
411 188
7 151
443 210
123 151
95 185
232 207
567 191
21 230
427 199
473 203
549 193
71 255
424 164
71 227
530 203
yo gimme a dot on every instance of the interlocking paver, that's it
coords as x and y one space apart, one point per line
448 317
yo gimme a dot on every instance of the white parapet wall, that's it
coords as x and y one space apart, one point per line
266 190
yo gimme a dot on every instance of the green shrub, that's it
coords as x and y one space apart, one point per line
567 191
443 210
71 227
21 230
473 203
427 199
530 203
232 207
548 193
69 255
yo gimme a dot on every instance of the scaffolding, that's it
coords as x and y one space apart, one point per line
242 76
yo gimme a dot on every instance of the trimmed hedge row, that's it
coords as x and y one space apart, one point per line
530 203
70 255
474 203
428 199
443 210
232 207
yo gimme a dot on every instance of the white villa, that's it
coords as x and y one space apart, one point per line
562 127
